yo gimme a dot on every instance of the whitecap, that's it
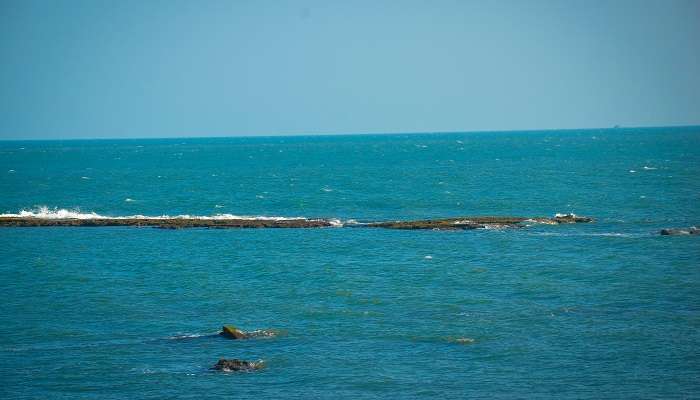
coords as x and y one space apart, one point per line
45 212
84 177
184 336
218 206
569 215
128 200
12 171
632 171
336 223
590 234
428 257
649 168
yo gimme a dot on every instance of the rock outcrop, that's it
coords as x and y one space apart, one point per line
231 332
234 365
570 219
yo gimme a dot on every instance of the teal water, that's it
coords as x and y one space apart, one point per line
588 311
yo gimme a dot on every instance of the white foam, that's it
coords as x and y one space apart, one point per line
44 212
335 223
191 335
591 234
560 215
649 168
128 200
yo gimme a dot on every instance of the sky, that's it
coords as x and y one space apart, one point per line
114 69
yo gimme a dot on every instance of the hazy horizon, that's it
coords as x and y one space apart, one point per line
322 134
99 69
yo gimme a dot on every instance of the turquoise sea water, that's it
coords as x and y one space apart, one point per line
603 310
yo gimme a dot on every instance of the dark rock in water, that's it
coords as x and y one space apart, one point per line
231 332
237 365
463 223
467 223
570 219
679 232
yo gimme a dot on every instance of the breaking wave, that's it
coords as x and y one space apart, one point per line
44 212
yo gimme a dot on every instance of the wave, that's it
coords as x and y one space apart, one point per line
186 336
601 234
44 212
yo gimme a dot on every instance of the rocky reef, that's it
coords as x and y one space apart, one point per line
234 365
467 223
167 223
464 223
680 231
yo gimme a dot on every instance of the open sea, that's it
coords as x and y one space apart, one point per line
586 311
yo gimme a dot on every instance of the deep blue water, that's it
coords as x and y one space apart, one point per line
603 310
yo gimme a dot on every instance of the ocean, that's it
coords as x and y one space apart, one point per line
609 309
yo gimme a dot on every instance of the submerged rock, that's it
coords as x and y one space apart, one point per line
461 340
233 365
680 231
231 332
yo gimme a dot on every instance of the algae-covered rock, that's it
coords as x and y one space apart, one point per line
233 365
231 332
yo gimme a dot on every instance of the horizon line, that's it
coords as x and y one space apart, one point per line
286 135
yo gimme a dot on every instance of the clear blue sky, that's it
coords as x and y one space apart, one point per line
119 68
